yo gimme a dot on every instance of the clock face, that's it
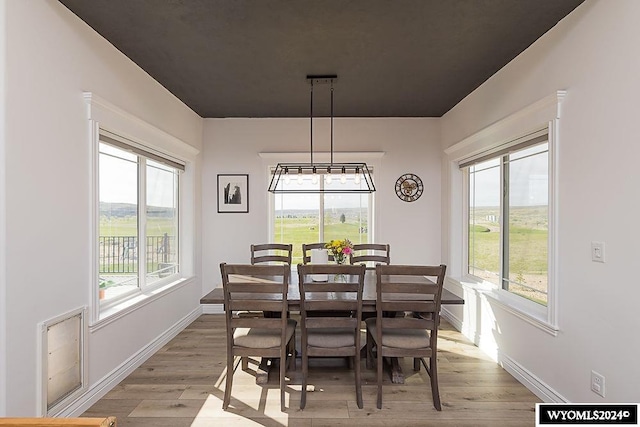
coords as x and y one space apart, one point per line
409 187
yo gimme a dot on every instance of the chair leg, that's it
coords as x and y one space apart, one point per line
245 363
305 371
292 352
433 374
369 350
379 377
358 380
227 388
283 369
416 363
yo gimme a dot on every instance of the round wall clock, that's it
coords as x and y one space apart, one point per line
409 187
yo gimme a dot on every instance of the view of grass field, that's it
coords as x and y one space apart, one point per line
528 241
128 226
528 236
298 227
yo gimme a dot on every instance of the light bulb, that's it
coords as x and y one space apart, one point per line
299 178
328 179
343 179
314 179
356 180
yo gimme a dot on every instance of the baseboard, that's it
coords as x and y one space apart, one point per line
102 387
530 381
520 373
455 321
212 309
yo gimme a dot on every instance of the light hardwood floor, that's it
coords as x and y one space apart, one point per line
183 385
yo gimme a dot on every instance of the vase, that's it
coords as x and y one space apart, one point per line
340 259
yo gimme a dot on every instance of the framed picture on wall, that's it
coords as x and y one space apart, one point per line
233 193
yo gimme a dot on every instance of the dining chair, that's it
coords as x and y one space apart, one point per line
306 251
264 288
416 290
267 253
330 335
370 252
271 252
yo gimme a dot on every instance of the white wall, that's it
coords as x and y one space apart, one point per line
593 55
410 145
51 58
3 299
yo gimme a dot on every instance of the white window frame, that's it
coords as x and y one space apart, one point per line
372 158
321 212
142 165
544 114
108 119
525 305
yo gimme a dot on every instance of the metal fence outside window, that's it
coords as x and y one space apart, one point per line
119 254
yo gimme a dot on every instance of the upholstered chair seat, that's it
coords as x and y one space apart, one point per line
262 338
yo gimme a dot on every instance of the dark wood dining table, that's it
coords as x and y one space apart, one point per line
216 296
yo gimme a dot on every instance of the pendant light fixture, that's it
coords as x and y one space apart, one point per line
325 177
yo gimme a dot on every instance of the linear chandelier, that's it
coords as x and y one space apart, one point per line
324 177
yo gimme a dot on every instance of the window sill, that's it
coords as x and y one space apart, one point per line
532 313
135 302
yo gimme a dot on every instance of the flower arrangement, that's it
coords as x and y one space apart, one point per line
340 249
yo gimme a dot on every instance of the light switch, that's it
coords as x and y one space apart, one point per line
597 251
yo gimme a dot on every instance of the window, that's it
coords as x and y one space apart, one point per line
138 235
508 229
321 217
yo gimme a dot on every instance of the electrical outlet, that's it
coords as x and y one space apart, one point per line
597 383
597 251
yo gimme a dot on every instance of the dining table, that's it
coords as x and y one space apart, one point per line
216 296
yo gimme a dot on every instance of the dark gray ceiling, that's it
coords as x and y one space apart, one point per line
250 58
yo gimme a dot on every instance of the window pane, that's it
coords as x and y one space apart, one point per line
484 221
162 221
346 217
297 216
118 241
528 213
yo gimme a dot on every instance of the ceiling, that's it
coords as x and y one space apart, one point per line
250 58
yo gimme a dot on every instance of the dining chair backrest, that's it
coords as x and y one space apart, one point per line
254 287
271 252
375 253
326 331
404 288
347 280
416 291
306 251
257 288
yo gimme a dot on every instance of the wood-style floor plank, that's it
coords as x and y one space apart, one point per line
183 385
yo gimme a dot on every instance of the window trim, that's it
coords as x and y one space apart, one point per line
370 212
142 157
107 118
505 297
544 113
270 159
149 153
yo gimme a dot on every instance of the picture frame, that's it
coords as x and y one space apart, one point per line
233 193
